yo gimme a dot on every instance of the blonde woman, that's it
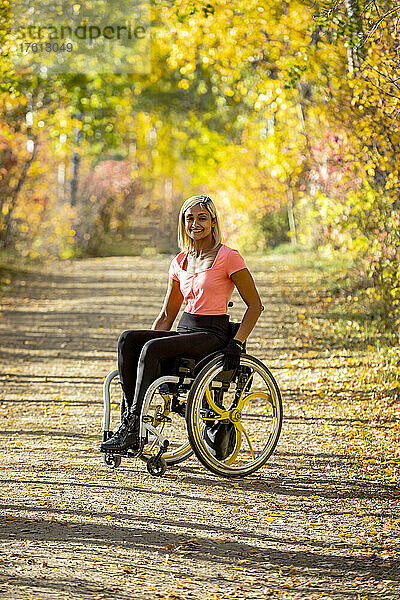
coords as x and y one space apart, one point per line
203 275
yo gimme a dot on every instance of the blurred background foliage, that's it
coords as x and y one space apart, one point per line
286 113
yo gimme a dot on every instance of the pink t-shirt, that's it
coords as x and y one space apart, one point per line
208 292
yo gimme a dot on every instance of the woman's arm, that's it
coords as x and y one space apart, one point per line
172 303
245 285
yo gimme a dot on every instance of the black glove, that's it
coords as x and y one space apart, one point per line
232 355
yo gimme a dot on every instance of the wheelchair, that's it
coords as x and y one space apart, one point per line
194 398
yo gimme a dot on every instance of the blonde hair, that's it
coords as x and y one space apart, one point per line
184 241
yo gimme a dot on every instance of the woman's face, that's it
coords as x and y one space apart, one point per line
198 222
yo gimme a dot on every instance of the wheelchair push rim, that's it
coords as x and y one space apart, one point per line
253 407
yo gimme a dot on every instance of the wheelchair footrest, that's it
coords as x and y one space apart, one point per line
128 453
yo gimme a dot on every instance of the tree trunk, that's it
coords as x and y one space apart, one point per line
76 159
356 29
290 205
6 238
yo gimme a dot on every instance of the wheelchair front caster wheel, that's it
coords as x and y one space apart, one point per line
156 466
112 462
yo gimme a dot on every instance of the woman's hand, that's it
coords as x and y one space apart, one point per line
232 355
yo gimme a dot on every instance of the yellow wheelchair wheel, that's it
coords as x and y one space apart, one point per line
246 405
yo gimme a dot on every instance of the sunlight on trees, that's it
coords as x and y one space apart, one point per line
285 113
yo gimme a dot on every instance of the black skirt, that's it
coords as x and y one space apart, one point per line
216 324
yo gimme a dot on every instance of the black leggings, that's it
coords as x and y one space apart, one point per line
140 352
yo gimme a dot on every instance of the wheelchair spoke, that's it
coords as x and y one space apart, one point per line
254 396
238 445
240 427
244 387
223 414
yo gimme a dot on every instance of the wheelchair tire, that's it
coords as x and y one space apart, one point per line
257 416
111 461
156 466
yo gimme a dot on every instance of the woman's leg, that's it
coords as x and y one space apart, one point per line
196 345
130 345
154 350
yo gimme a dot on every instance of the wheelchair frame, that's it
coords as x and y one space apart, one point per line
195 379
156 466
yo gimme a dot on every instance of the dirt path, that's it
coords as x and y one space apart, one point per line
320 520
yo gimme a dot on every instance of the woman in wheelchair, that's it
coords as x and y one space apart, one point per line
203 275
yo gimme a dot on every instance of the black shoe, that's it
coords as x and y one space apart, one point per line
125 438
